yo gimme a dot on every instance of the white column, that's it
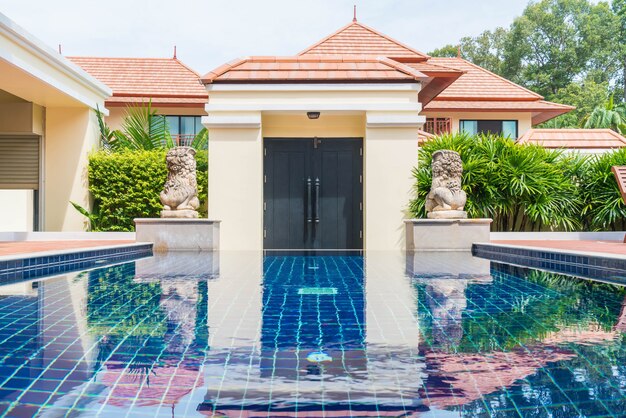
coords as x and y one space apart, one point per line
391 145
236 179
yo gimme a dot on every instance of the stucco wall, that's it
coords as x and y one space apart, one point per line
524 118
236 187
71 134
390 155
300 126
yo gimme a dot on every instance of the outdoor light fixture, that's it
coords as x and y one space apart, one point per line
313 115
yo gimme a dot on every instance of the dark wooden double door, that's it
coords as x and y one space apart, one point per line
313 193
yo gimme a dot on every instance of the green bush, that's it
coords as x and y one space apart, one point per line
126 185
604 208
522 187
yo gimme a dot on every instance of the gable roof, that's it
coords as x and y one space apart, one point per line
313 68
165 81
574 138
356 38
478 83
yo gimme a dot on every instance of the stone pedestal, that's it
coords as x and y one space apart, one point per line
445 234
173 234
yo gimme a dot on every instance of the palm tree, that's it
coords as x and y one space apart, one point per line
612 116
142 129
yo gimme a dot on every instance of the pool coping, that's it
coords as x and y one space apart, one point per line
27 266
606 267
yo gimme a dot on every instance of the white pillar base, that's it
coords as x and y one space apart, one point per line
445 234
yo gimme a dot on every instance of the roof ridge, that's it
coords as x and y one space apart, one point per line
321 41
119 58
402 68
369 29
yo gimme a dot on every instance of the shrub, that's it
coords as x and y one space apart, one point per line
604 208
522 187
126 185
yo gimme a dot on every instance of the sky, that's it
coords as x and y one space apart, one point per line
208 33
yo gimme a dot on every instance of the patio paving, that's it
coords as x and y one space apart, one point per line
25 247
606 247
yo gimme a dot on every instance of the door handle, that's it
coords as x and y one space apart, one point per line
317 200
309 201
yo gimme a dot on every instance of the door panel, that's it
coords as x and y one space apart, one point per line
313 194
286 163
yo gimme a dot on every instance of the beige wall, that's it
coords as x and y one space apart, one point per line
116 114
298 125
236 187
524 118
71 134
390 156
22 118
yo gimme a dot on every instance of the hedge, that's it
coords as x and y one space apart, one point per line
126 185
526 187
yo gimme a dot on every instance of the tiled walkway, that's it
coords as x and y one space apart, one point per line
610 247
24 247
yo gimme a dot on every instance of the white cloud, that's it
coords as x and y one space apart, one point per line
209 32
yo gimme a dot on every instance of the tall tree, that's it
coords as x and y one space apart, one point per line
619 8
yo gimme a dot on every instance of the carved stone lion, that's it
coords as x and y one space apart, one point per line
446 198
180 193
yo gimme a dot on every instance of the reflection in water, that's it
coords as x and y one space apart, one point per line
313 336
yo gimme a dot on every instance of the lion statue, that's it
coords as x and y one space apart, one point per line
180 193
446 198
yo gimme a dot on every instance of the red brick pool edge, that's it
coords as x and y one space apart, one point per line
26 247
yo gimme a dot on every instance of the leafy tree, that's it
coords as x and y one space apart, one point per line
485 50
619 8
609 116
446 51
584 96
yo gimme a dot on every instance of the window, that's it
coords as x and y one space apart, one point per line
184 125
506 128
437 126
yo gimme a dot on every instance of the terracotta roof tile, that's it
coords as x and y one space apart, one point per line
165 80
478 83
356 38
491 105
313 68
574 138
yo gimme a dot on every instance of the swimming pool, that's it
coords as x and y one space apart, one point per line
229 335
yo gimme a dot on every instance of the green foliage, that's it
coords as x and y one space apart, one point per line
584 96
570 51
604 208
522 187
609 116
143 129
126 185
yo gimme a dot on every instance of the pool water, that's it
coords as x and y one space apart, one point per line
248 335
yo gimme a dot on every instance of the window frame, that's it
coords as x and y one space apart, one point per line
516 121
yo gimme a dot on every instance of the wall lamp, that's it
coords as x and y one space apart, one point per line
313 115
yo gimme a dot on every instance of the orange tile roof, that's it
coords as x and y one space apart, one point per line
478 83
574 138
166 81
356 38
489 105
313 68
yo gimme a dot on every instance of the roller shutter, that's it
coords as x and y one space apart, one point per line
19 162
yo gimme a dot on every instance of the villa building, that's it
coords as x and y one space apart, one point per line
173 89
47 128
318 148
307 151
